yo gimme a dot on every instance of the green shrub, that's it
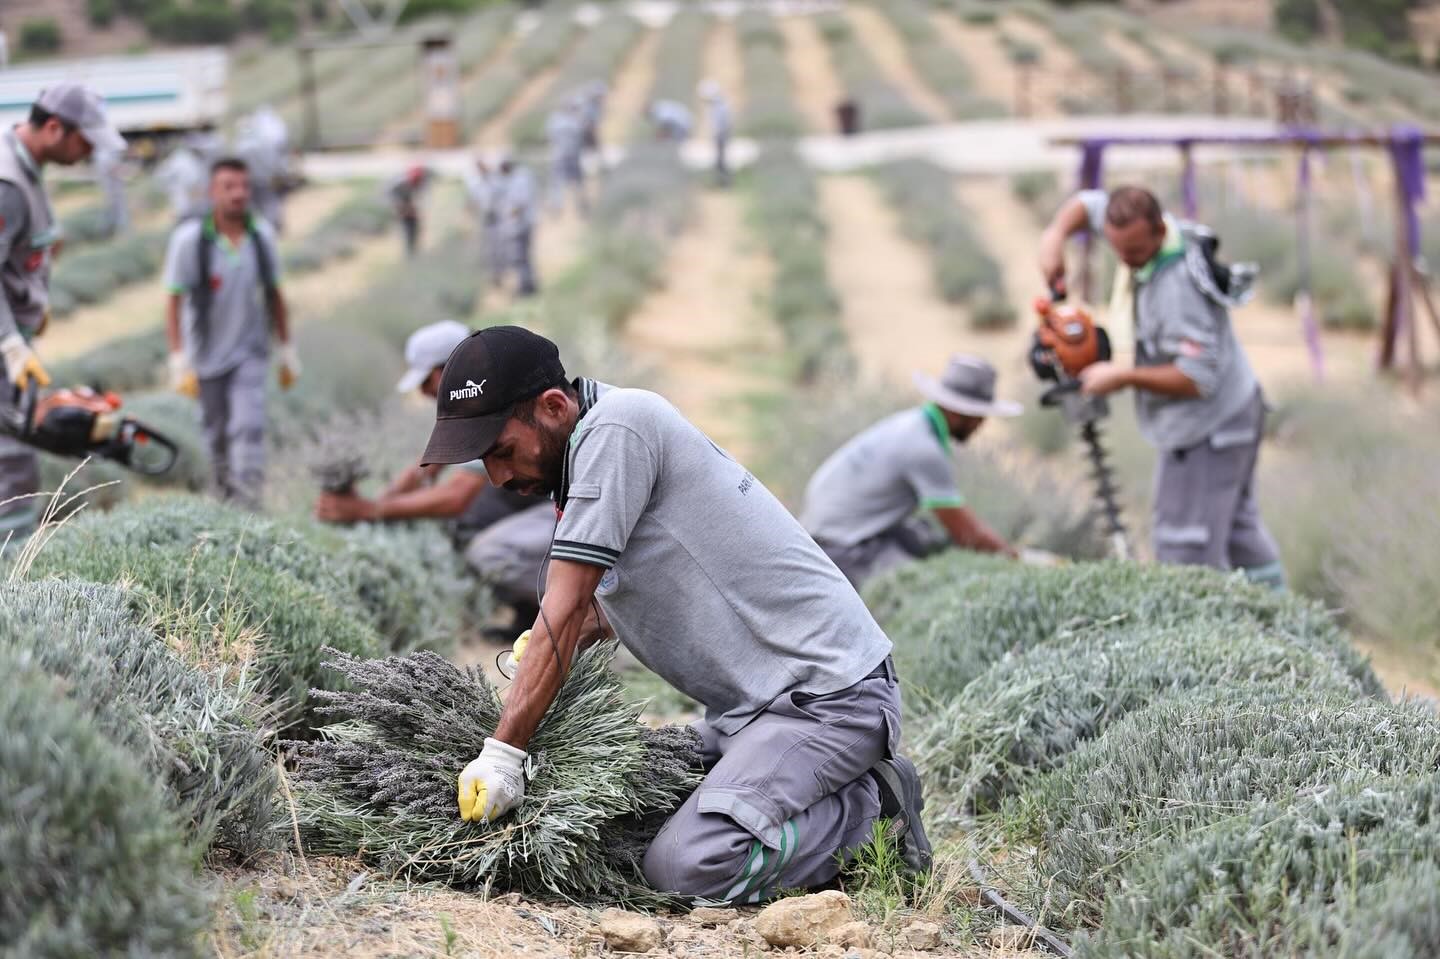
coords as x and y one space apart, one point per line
236 581
952 616
88 224
769 112
92 274
383 786
202 738
1188 762
784 209
923 196
202 21
1346 872
1028 712
101 13
364 214
1298 20
882 105
95 862
40 35
122 364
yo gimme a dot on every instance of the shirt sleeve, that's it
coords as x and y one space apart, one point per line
1191 335
932 477
1095 202
13 215
180 265
614 473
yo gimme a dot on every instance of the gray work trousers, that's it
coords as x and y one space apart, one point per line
901 543
19 476
232 416
497 253
508 554
785 797
522 241
1205 512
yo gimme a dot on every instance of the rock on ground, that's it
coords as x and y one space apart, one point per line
627 932
710 916
804 921
922 935
852 935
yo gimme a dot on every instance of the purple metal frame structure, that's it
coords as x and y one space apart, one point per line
1408 277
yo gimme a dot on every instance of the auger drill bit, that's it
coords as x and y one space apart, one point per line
1106 491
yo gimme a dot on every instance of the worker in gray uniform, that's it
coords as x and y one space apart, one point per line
223 275
671 121
504 535
1197 399
721 126
565 131
663 535
482 189
66 123
518 201
592 114
863 502
110 174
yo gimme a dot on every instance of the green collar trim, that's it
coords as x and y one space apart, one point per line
213 232
1172 249
938 424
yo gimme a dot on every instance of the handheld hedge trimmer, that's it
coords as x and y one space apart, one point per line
81 422
1067 341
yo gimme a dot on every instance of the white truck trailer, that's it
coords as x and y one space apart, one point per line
149 96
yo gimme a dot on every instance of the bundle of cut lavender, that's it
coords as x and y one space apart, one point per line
380 782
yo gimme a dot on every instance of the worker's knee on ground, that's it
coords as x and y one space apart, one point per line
676 864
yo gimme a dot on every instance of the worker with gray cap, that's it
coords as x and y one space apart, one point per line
1197 399
67 123
565 131
718 111
504 535
862 502
714 586
223 275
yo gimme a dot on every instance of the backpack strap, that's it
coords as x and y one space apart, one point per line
264 266
200 297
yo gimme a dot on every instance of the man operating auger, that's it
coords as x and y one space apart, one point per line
713 585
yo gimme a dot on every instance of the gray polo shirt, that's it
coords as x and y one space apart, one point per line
709 581
881 477
239 327
1178 323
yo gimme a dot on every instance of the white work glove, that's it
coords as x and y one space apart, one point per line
493 783
512 658
182 376
289 365
21 363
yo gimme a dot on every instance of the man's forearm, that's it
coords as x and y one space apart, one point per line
1166 380
172 323
429 502
570 588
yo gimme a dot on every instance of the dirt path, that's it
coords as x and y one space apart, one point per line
888 49
895 320
141 305
702 331
1059 72
990 69
631 85
496 133
817 88
723 63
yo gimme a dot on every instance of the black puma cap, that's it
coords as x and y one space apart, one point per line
486 375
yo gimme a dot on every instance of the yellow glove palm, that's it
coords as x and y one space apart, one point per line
22 366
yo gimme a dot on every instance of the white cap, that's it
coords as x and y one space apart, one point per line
429 347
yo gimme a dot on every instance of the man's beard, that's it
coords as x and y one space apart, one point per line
553 444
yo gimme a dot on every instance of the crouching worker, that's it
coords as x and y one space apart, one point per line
861 503
503 534
711 583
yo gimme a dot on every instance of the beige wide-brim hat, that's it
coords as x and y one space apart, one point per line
967 387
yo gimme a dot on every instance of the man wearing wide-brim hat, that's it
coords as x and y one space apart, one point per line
861 504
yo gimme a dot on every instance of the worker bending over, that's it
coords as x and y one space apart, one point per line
711 583
504 535
861 503
1196 397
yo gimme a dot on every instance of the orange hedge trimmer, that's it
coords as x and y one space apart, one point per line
81 422
1067 341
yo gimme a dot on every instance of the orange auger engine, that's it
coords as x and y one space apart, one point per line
81 422
1066 342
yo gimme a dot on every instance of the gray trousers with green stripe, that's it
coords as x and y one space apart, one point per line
19 477
785 797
